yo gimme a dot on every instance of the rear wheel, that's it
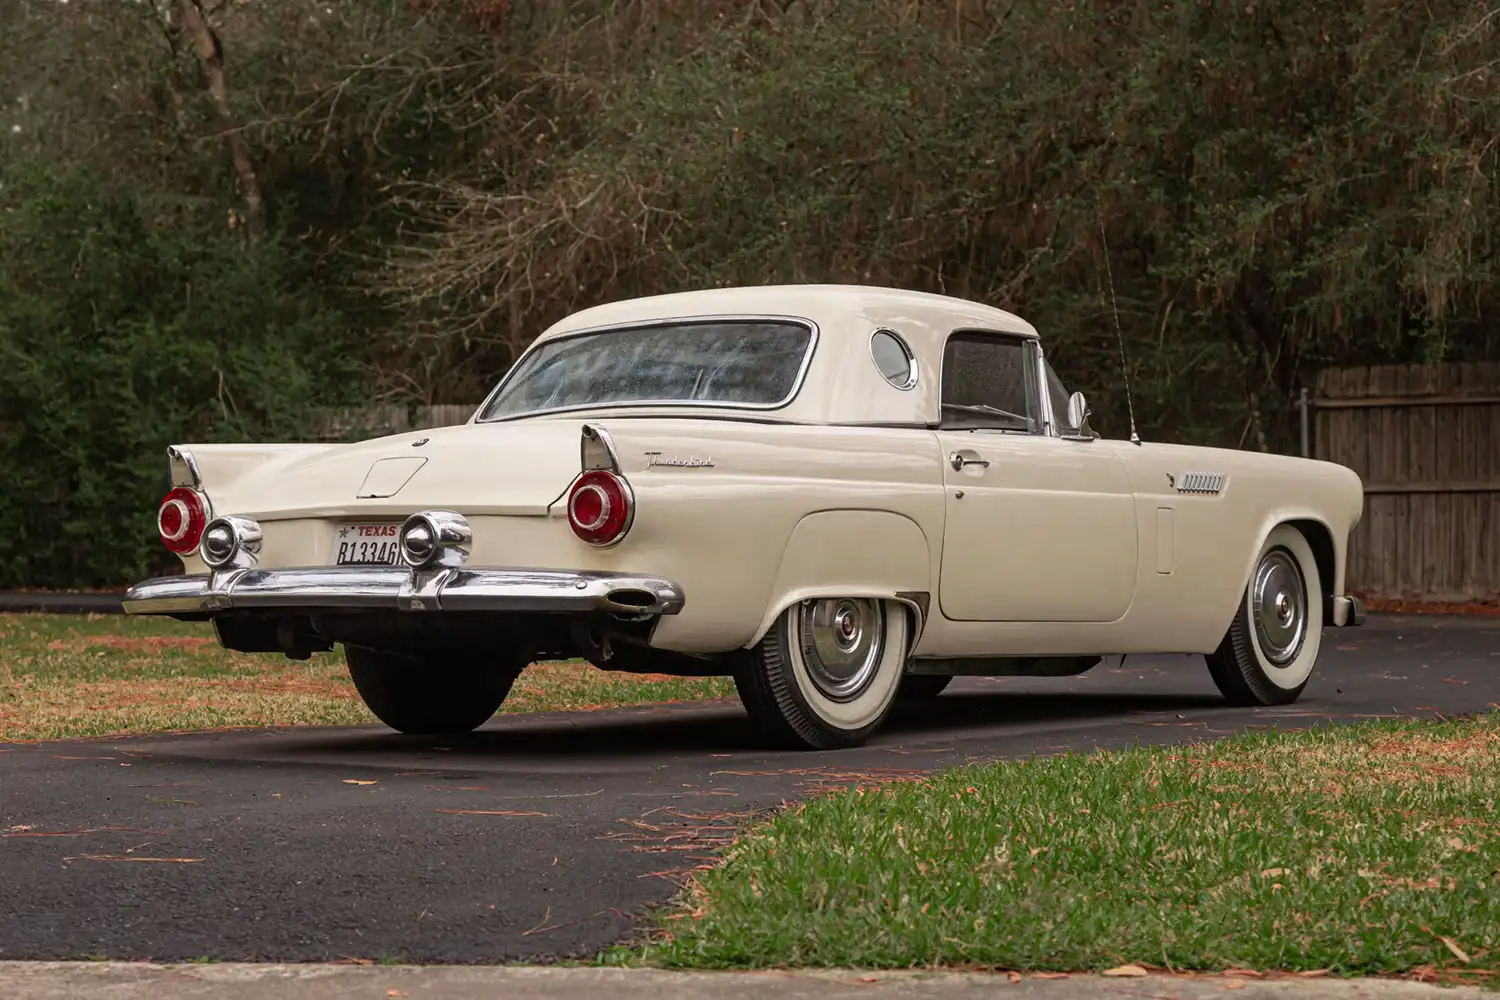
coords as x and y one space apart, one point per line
429 694
1267 656
826 673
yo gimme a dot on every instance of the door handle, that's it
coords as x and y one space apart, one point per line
958 460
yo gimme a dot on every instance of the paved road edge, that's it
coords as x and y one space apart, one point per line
61 602
244 981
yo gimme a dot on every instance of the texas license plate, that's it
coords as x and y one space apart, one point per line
366 545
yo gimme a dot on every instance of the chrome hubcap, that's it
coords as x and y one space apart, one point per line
842 640
1279 607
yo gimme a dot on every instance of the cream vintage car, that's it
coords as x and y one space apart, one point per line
839 496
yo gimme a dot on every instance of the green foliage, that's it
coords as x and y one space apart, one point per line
1278 187
1282 188
119 336
1357 849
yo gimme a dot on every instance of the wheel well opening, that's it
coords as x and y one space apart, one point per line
1320 540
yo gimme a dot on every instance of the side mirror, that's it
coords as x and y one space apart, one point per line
1078 415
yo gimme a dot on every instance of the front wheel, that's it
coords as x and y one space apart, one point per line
430 695
826 674
1268 653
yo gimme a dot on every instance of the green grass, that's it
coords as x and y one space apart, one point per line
1369 849
67 675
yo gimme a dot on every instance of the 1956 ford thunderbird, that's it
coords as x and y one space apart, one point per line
839 496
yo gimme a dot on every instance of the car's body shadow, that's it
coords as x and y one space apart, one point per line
722 727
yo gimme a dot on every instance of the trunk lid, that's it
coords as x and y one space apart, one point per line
512 468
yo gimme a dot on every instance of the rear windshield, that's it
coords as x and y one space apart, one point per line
751 363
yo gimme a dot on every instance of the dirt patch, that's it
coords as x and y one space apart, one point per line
130 644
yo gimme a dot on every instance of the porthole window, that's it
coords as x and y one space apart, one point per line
894 359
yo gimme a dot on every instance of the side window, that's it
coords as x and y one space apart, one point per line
989 381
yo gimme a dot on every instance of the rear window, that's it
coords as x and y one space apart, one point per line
745 363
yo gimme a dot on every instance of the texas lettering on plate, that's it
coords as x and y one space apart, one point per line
366 545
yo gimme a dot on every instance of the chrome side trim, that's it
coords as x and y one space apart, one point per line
397 589
182 467
1197 482
807 358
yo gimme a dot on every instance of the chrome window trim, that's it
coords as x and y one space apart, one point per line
1052 429
1049 417
814 334
1027 340
915 371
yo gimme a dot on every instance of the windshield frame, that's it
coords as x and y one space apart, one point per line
814 335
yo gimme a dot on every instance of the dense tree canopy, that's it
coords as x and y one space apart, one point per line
212 214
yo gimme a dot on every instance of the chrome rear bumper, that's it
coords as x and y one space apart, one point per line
379 588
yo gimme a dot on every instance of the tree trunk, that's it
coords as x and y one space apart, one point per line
211 56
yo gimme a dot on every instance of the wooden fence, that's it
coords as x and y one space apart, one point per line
1426 442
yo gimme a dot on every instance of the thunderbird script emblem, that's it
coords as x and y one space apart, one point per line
691 462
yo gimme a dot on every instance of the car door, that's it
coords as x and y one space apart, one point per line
1038 528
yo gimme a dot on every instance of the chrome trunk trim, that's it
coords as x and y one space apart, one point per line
394 588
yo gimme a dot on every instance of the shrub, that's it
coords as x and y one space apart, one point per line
118 336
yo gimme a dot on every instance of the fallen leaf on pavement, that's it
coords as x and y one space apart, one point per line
1014 977
1049 975
26 831
133 857
1125 970
357 781
395 993
1235 984
1313 973
1458 952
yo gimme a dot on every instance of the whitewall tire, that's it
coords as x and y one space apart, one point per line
1268 654
826 674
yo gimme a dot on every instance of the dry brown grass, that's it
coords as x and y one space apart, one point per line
65 676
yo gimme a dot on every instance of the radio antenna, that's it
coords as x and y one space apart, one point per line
1119 332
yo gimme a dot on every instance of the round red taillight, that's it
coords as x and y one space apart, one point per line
181 518
599 507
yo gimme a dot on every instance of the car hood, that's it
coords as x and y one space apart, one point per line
518 468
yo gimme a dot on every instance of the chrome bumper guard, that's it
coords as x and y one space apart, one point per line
377 588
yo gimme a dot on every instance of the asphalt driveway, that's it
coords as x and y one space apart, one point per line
547 836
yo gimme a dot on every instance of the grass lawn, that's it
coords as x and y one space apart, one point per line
71 675
1368 849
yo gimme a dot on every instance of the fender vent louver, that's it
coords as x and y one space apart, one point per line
1198 482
